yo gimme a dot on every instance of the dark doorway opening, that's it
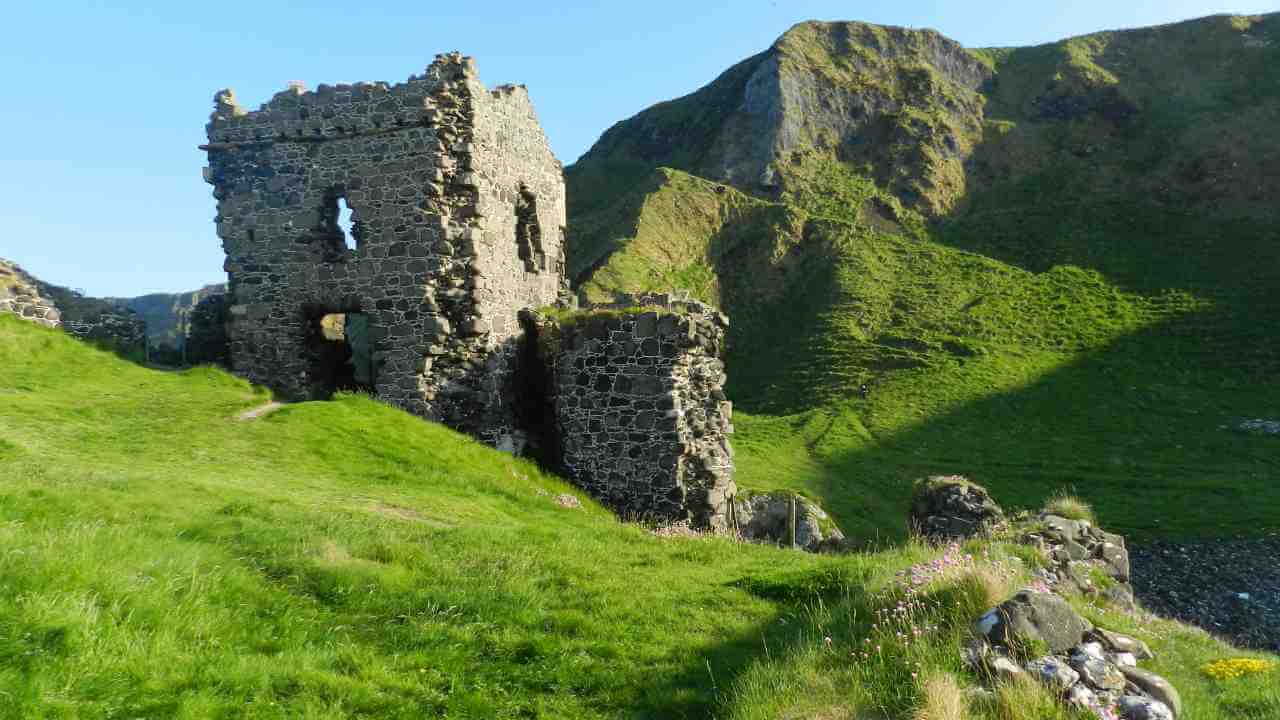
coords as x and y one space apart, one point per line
533 399
341 356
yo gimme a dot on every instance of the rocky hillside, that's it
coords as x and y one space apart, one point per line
1047 267
1181 106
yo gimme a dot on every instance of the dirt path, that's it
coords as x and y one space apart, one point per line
255 413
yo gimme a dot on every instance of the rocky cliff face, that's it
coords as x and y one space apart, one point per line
906 102
1181 110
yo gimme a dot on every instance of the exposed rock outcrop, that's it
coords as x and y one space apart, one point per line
906 101
947 507
766 517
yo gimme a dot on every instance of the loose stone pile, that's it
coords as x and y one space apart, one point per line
1260 426
1077 552
1092 668
1036 633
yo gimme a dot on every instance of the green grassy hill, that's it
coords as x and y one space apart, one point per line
165 559
1056 273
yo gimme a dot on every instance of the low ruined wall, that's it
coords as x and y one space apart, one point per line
20 295
641 419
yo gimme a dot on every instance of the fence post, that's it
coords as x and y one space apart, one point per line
792 523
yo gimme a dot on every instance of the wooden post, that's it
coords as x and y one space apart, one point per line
792 523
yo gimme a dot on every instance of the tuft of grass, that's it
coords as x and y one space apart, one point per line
943 699
1025 699
1069 506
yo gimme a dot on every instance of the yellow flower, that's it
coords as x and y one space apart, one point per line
1236 668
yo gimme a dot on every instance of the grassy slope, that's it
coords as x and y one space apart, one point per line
332 560
1098 305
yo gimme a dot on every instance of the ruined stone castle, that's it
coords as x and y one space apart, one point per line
457 214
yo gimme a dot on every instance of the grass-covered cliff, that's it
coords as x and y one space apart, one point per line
1052 266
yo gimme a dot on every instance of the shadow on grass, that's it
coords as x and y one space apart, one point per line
1140 429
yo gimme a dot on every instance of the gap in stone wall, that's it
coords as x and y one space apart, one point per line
344 224
341 357
533 398
529 231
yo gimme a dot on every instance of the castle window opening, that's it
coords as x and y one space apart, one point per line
339 231
344 224
341 355
529 231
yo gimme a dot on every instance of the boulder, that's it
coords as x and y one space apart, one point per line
951 507
766 518
1118 643
1030 617
1053 672
1155 686
1137 707
1096 671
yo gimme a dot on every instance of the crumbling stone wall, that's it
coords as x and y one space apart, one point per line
85 317
440 176
641 418
20 295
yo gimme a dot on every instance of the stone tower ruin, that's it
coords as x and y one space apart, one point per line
429 299
457 214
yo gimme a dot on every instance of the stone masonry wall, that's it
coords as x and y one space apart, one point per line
642 420
439 175
55 306
20 295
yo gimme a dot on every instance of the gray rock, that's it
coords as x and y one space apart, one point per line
1053 672
1118 643
947 507
1137 707
1030 617
1081 696
766 518
1004 668
1097 672
1155 686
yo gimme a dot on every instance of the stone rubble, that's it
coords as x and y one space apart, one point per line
1092 668
1076 549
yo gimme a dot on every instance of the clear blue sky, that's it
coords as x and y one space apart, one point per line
106 102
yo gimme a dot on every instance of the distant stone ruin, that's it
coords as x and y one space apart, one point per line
97 320
457 213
